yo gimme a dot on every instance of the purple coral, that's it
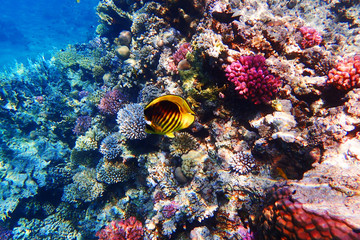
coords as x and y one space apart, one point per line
180 54
310 37
111 102
252 79
82 124
169 210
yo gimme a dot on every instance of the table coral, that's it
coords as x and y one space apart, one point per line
252 79
346 74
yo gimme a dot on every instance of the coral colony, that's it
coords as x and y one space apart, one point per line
273 152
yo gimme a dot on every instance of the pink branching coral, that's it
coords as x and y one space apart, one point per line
252 79
111 103
310 37
346 74
129 229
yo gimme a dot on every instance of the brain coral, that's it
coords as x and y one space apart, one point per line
252 79
346 74
131 121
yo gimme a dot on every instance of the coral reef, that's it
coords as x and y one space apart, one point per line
273 152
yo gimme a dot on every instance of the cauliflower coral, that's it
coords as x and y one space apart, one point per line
252 79
346 74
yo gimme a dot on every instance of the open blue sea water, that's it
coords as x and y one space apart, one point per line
32 28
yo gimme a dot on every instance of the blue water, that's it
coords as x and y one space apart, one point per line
31 28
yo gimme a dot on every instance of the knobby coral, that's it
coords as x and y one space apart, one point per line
122 230
252 79
346 74
310 37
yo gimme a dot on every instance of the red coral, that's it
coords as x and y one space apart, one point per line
111 103
129 229
346 74
252 79
310 37
286 218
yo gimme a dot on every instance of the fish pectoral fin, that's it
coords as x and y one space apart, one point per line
170 135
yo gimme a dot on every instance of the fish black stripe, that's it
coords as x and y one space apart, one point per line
166 112
178 123
169 119
174 122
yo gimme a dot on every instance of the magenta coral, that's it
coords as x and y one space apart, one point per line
180 54
129 229
346 74
111 103
252 79
310 37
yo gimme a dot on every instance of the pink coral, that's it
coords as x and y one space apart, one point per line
310 37
178 56
129 229
111 103
252 79
346 74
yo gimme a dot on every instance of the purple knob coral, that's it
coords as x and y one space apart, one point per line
252 79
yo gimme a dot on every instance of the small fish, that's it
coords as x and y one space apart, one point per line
168 114
78 1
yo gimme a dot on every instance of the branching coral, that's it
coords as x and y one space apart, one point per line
111 102
122 230
252 79
111 147
112 172
131 121
346 74
242 163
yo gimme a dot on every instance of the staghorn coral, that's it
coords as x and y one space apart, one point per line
252 79
130 228
346 74
131 121
84 188
112 172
